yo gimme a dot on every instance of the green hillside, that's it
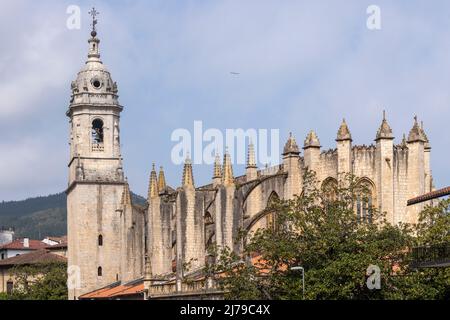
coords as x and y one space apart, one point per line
39 217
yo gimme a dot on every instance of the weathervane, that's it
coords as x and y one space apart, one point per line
94 13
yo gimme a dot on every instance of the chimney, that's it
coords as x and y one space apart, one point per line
26 243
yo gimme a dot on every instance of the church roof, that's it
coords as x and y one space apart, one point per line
19 244
116 290
34 257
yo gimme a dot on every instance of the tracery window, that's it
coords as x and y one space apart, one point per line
329 188
270 218
365 201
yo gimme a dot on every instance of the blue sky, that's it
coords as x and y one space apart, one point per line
303 65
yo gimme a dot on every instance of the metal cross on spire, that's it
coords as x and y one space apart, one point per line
94 13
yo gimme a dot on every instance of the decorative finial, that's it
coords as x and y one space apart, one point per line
153 184
385 131
227 178
312 141
343 132
251 157
188 176
217 168
161 180
188 158
291 147
94 13
416 134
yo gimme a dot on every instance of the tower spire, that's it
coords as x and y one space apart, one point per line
188 176
161 180
228 178
385 131
403 144
251 157
217 174
217 168
416 134
94 50
153 184
343 132
311 141
291 147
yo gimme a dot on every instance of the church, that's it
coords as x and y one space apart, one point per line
114 243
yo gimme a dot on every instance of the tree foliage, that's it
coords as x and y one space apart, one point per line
44 281
323 234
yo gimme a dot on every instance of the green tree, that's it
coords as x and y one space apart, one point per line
44 281
323 234
433 230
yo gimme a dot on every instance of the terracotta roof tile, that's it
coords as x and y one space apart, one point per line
430 196
116 290
38 256
19 244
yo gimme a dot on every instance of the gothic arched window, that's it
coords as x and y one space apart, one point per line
100 240
97 131
100 271
365 200
329 188
270 218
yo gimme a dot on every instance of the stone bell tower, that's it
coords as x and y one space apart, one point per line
96 179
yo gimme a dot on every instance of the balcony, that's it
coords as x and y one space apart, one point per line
197 289
98 147
431 256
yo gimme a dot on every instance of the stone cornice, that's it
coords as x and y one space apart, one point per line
88 182
95 105
90 158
